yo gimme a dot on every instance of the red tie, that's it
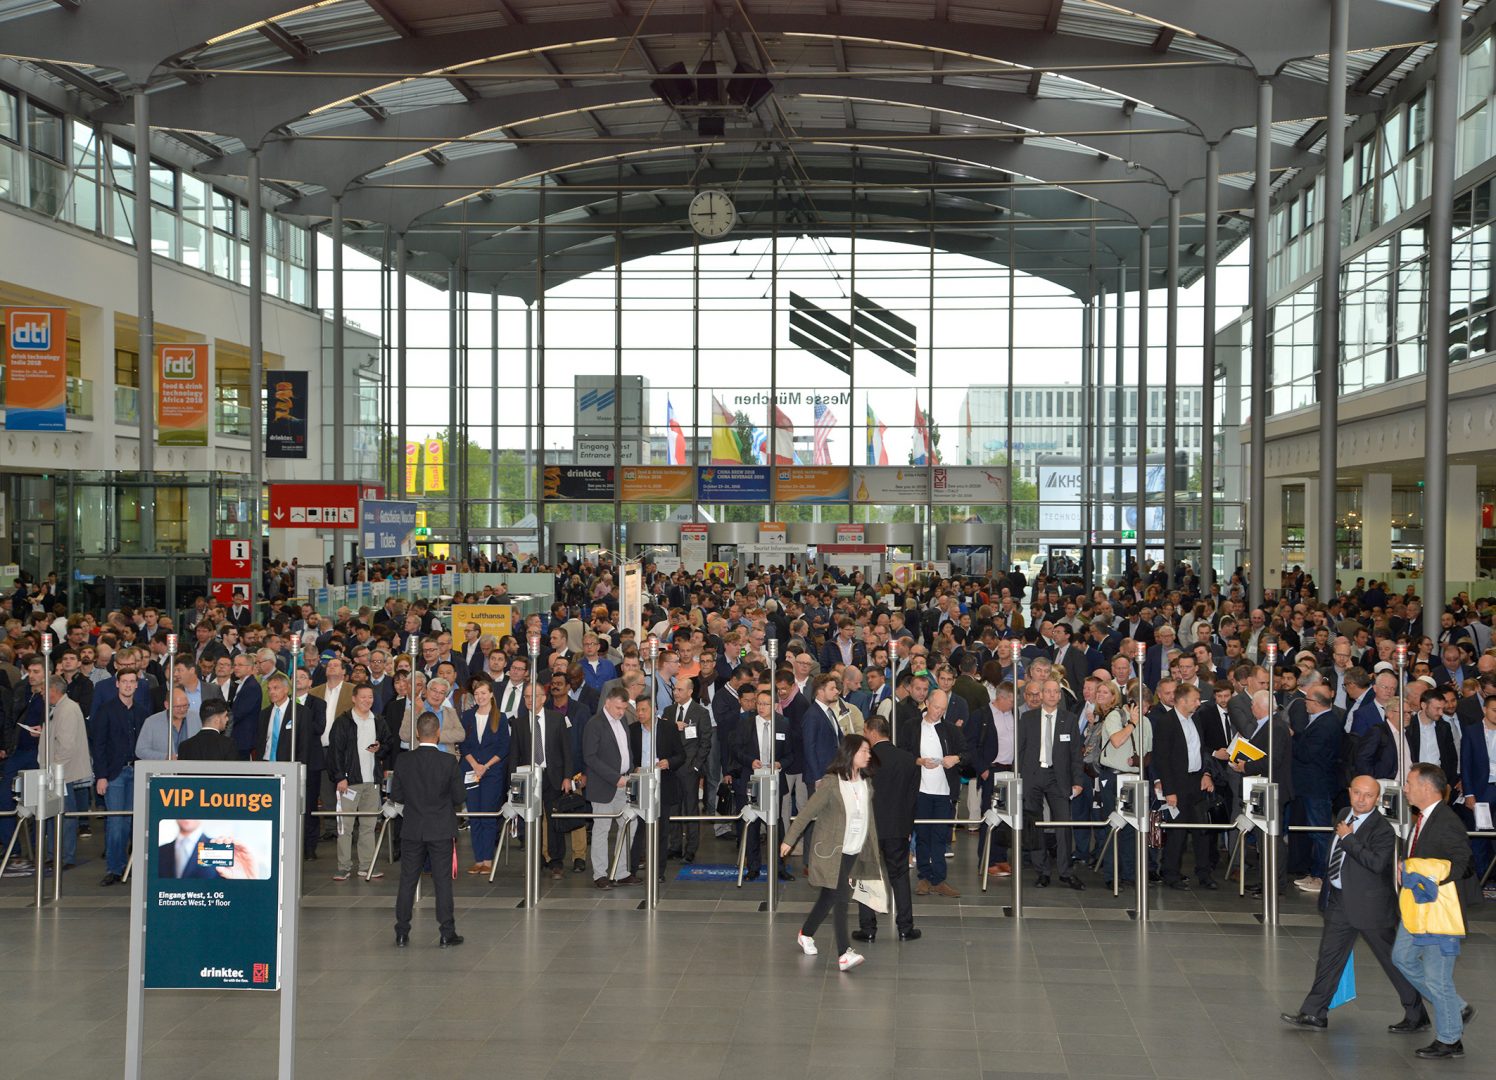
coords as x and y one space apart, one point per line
1417 825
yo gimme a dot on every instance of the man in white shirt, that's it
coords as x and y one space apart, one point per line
605 749
994 746
938 749
360 743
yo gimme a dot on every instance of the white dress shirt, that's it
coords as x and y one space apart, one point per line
932 781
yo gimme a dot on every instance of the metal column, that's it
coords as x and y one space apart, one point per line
1145 271
493 409
1171 393
1208 356
1329 301
1097 419
536 468
145 312
454 398
1119 439
339 363
618 363
401 415
256 369
1087 395
1436 364
1257 545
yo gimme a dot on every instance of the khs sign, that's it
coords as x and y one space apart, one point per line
30 331
178 363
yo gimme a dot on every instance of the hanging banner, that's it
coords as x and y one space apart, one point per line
851 534
285 428
894 484
387 529
967 484
413 467
183 404
436 468
579 483
212 895
812 484
733 483
693 550
657 483
36 368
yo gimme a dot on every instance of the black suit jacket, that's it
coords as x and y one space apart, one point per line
560 760
429 782
1444 736
208 745
669 746
1171 757
1367 894
951 742
1066 753
895 791
1443 836
311 721
745 749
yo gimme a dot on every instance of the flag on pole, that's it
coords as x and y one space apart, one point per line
922 455
758 445
877 449
825 423
675 440
726 449
784 438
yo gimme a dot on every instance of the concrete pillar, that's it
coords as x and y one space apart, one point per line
1376 525
1312 531
1462 524
1272 535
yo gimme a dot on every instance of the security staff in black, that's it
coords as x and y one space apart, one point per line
431 789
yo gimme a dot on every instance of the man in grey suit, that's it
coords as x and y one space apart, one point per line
694 722
1249 678
1051 764
605 752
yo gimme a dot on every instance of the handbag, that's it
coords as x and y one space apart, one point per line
571 803
1155 828
724 798
870 893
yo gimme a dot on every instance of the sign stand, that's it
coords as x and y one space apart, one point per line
287 874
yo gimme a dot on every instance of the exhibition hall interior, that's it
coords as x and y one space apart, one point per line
696 538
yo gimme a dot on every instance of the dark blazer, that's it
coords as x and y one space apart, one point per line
600 758
1239 709
820 735
310 723
560 759
1444 736
1074 663
831 654
1367 894
1171 758
1282 757
669 746
745 743
1316 753
727 707
1475 765
343 762
699 749
166 864
1471 710
1366 714
244 713
1443 836
951 742
895 791
208 745
429 782
1376 753
1066 754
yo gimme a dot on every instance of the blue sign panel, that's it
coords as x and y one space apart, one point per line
733 484
388 529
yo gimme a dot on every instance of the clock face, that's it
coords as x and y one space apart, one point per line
712 214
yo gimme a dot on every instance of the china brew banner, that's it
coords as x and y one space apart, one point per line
285 430
436 466
36 376
182 400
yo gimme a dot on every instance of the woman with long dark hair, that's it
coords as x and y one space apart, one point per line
845 845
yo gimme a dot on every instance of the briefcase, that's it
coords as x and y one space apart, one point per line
571 803
724 799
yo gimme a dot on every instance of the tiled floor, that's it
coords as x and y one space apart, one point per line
710 986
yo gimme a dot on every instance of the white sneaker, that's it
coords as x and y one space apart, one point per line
848 960
1310 885
807 944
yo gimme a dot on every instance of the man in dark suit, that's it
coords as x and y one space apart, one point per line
1316 748
431 789
244 709
1179 762
180 858
1069 657
275 722
554 754
751 742
1478 777
210 744
1051 765
1273 737
666 748
1437 834
693 722
1430 737
1471 709
1358 899
606 750
842 649
894 793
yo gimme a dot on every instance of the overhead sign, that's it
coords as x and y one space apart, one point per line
657 483
579 483
851 534
230 593
812 484
183 402
733 483
231 559
286 426
966 484
387 529
495 619
36 370
314 506
772 532
211 846
693 547
890 484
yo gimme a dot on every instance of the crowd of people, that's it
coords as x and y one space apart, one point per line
1073 688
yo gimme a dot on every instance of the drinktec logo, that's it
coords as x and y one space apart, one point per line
221 973
179 363
30 331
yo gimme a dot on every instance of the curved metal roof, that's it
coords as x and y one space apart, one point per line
992 127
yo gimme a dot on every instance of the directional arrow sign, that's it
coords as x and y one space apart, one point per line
315 506
231 560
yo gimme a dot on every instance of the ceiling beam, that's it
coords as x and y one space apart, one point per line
68 5
198 143
1372 78
1164 39
393 21
79 81
1052 17
287 43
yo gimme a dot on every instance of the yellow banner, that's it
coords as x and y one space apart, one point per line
436 467
494 619
412 467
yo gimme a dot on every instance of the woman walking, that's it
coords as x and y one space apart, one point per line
845 845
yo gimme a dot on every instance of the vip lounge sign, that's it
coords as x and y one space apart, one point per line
35 368
182 401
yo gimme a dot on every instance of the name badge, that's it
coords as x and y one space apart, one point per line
779 735
1064 738
690 731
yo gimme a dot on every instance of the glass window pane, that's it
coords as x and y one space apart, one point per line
8 127
45 130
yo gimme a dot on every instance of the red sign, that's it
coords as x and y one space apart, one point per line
851 549
227 593
1487 515
231 559
317 506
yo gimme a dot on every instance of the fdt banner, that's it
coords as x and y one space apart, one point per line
285 429
182 401
212 907
36 380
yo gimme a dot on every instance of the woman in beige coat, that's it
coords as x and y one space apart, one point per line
845 844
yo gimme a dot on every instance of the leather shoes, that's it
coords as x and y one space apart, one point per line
450 942
1467 1014
1437 1049
1209 884
865 935
1304 1020
1042 881
110 879
911 935
1179 886
1074 882
785 875
1406 1026
602 883
632 879
402 940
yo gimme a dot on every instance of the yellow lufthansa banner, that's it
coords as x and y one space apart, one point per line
495 619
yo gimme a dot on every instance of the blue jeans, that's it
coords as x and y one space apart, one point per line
14 765
1127 839
74 800
119 795
1432 975
930 840
1316 812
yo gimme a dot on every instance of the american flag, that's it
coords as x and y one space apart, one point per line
825 422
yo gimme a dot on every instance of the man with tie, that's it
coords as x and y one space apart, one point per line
244 707
607 762
693 722
1478 776
276 723
512 695
1358 899
1050 761
1179 761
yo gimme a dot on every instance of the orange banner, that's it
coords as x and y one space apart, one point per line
657 483
36 375
182 400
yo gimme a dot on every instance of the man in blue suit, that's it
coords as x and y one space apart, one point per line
245 709
1316 750
182 857
842 649
1478 776
820 735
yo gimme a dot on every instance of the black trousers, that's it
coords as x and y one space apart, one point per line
1042 793
1191 813
1004 838
686 836
636 848
1335 943
311 826
895 852
413 856
834 902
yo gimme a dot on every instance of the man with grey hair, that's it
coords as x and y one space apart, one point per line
162 734
1277 764
435 701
